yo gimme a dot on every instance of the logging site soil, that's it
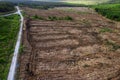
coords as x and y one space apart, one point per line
69 43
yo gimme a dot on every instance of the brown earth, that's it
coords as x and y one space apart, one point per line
70 50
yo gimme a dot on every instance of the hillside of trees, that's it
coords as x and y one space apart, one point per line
6 7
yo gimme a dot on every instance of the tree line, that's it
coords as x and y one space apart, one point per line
6 7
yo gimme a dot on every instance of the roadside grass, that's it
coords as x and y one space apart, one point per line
21 49
111 11
9 27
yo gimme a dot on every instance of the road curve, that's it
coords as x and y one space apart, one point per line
10 13
16 51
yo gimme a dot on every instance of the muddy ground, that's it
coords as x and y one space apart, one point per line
85 48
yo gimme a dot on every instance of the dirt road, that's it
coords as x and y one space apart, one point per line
12 71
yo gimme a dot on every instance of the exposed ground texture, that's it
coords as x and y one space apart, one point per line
85 48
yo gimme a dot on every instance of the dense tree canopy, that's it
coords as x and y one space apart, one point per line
111 11
6 7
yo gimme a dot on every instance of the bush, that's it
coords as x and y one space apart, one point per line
37 17
68 18
52 18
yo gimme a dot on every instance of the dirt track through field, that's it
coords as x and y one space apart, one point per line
68 50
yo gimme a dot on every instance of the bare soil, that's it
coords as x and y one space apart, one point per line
70 50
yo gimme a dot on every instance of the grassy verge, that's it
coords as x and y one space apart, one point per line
111 11
9 27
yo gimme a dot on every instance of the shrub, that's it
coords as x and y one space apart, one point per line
68 18
52 18
37 17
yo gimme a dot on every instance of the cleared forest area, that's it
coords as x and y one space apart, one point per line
84 47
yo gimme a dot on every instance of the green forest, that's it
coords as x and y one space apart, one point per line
6 7
111 11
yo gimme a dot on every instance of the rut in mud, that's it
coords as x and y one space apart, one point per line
69 50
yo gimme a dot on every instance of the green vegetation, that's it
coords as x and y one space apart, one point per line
6 7
52 18
111 11
9 27
37 17
105 29
21 49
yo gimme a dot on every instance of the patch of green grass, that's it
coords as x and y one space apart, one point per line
111 11
106 30
52 18
9 27
67 18
21 49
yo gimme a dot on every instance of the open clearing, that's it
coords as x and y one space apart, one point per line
86 2
85 48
